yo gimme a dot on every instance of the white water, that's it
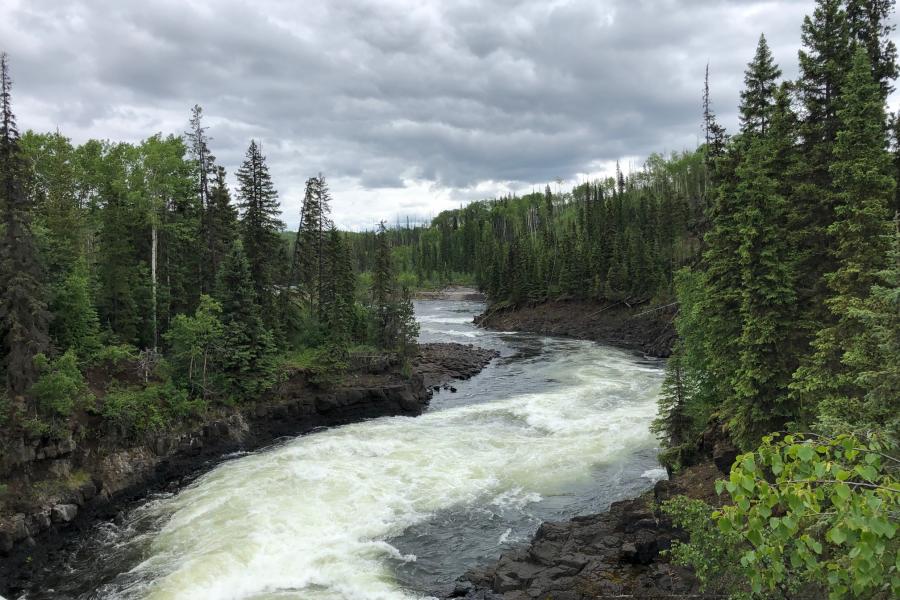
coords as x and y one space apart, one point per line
323 516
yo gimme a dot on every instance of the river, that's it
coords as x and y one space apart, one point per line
397 508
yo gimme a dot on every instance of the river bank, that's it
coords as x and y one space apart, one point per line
645 327
54 491
615 554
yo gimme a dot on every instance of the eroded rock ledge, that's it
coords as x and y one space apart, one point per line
647 328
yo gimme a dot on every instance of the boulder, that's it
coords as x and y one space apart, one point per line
63 513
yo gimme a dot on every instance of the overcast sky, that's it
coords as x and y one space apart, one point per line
409 107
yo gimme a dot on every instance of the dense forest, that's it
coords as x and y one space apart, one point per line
620 239
115 254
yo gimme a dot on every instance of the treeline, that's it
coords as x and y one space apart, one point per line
620 239
139 255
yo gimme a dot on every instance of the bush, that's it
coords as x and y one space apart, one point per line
811 515
711 553
115 356
138 411
60 388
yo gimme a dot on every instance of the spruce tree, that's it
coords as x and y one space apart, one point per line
766 347
222 219
382 288
760 81
260 225
861 231
24 318
340 283
247 356
310 247
869 25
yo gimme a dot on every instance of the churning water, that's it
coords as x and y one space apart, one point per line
396 508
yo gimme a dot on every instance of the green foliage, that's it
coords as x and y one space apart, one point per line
143 410
114 354
711 552
247 359
60 387
75 323
196 346
813 513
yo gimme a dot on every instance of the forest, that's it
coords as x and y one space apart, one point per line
778 242
114 253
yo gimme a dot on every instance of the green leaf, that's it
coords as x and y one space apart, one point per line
837 535
806 453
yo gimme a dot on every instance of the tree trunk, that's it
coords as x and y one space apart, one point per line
153 247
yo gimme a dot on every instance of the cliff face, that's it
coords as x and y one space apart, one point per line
53 490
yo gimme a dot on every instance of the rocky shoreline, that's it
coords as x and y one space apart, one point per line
615 554
103 476
642 327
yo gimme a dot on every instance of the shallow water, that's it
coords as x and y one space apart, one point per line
398 507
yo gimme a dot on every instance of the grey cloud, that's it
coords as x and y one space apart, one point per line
449 95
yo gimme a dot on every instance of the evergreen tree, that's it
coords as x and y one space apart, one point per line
861 233
311 245
339 287
260 226
221 218
760 81
766 350
382 287
869 25
24 318
248 348
75 325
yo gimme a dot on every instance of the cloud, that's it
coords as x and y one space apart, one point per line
408 106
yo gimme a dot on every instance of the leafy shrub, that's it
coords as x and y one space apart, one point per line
710 552
114 356
811 515
138 411
60 388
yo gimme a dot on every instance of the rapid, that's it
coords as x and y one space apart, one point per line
396 508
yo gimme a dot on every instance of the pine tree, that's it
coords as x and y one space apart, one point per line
760 81
260 226
861 232
382 287
24 318
340 283
868 23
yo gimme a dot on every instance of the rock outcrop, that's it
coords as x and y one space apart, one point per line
646 328
609 555
441 363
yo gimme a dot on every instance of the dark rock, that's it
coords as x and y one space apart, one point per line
63 513
724 455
